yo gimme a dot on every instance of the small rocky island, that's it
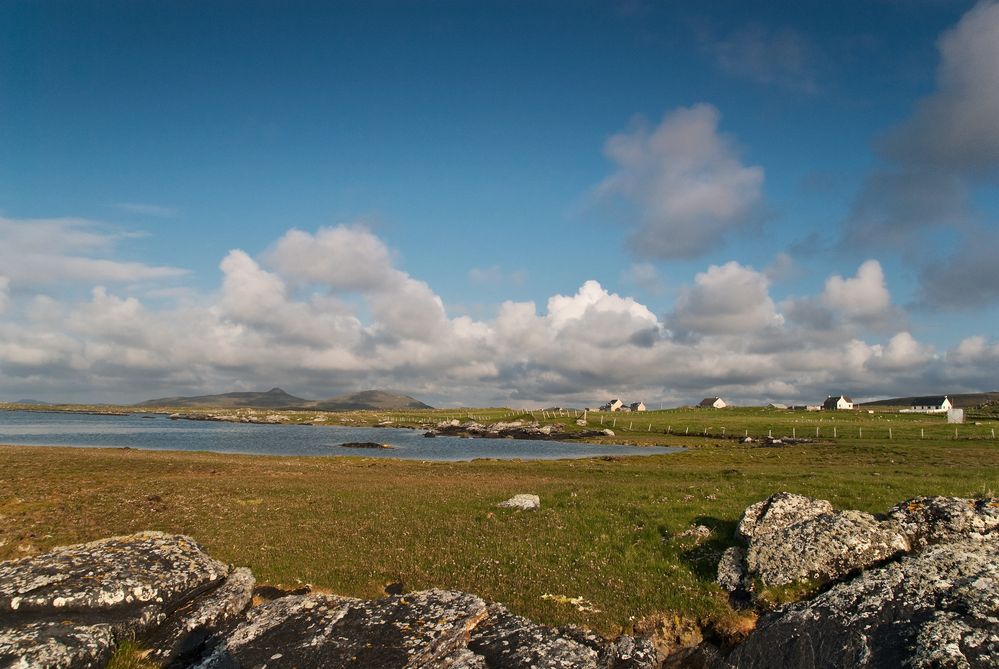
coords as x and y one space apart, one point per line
516 429
918 587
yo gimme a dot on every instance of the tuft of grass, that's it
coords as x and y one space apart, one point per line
130 655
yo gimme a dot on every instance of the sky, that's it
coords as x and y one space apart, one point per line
499 203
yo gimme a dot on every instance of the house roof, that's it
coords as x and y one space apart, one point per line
929 400
708 401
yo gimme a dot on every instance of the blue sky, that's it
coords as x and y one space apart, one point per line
727 173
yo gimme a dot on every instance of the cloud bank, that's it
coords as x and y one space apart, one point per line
327 311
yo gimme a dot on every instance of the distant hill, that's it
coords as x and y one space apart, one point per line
34 402
275 398
959 400
370 399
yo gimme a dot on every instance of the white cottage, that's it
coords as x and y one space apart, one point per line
838 402
613 405
637 406
712 403
932 404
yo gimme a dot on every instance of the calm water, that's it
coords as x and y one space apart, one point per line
157 432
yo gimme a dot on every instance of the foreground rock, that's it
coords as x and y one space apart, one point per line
72 606
430 629
918 587
794 539
939 608
934 520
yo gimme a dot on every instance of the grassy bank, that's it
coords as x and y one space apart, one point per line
610 530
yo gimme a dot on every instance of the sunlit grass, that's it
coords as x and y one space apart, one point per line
609 530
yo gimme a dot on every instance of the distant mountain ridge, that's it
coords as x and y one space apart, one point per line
275 398
959 400
370 399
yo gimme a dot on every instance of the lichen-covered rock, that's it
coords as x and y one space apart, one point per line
522 503
54 643
937 608
625 652
508 641
109 576
779 510
71 606
732 575
184 634
822 548
423 629
934 520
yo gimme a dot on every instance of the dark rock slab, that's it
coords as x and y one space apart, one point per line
183 636
423 629
937 608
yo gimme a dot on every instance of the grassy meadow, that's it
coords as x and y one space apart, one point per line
610 530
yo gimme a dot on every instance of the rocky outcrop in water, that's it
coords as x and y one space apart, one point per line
511 430
72 607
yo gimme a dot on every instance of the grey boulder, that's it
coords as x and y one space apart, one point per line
938 608
71 607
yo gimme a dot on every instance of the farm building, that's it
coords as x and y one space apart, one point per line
637 406
838 402
930 404
613 405
776 405
712 403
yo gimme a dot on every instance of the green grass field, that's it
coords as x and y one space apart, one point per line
610 530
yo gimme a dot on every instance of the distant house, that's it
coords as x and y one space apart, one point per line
712 403
838 402
613 405
637 406
776 405
931 404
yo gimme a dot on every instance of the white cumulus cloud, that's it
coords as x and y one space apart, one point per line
683 182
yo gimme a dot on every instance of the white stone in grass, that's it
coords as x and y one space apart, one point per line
522 503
